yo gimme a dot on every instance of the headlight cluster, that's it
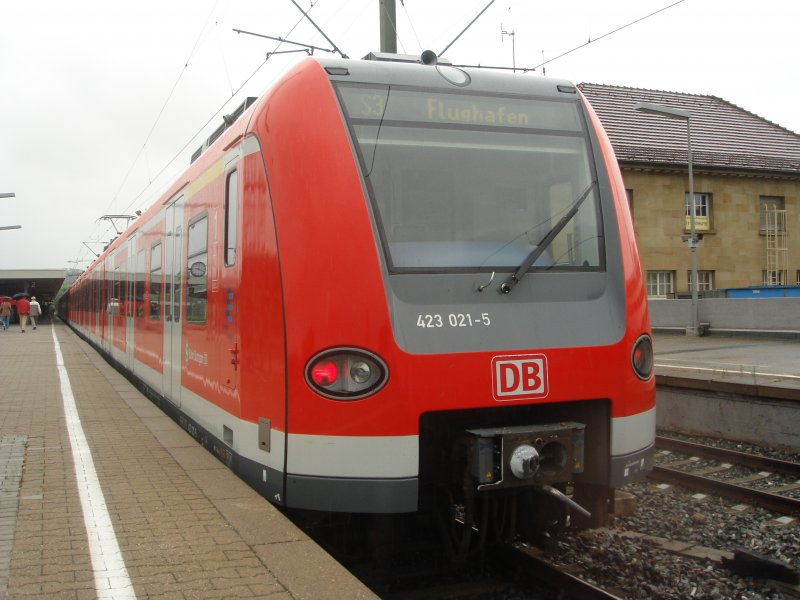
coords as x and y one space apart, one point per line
346 373
642 357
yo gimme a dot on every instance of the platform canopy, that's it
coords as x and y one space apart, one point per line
42 283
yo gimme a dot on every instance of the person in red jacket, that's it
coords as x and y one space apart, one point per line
5 312
23 310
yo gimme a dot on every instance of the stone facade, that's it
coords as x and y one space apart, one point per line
740 161
734 247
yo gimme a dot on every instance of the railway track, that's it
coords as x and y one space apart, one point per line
735 489
754 461
605 565
415 568
564 578
519 571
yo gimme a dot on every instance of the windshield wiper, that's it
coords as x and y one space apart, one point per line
514 279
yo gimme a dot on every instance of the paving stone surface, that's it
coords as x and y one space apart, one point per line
186 527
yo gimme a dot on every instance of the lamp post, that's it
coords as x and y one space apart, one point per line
685 115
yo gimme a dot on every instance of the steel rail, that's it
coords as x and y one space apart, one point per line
537 566
762 463
774 502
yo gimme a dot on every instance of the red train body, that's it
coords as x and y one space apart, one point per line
384 280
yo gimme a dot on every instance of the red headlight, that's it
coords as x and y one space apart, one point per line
324 372
346 373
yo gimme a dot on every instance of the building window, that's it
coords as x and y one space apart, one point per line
702 212
659 283
629 194
769 277
767 204
705 281
197 271
155 282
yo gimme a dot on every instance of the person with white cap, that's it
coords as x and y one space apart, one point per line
36 311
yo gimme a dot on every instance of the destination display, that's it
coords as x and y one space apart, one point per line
389 104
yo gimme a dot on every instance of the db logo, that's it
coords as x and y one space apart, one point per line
521 377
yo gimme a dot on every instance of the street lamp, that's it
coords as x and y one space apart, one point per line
685 115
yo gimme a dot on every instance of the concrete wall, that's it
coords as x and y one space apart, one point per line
759 421
771 316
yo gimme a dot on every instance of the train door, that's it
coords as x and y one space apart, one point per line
173 248
117 304
112 303
229 361
98 304
103 308
132 306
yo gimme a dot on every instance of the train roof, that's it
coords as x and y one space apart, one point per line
443 75
375 68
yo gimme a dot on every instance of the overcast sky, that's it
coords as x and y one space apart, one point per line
98 97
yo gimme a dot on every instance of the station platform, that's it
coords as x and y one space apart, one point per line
753 366
104 496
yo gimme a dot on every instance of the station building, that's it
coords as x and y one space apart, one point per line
746 173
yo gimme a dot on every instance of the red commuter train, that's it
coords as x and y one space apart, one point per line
385 286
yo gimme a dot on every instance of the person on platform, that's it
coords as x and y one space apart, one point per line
5 313
23 310
36 311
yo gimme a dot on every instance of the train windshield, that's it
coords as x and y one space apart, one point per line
467 181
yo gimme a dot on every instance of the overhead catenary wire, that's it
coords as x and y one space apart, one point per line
411 25
318 28
103 237
284 41
465 28
222 56
618 29
163 106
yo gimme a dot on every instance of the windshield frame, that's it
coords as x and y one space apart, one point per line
582 133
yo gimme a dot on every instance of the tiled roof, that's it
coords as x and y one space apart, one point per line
723 135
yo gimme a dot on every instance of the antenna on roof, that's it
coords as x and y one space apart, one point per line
503 34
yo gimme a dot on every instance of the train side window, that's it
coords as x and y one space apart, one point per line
138 288
231 201
110 298
155 282
197 271
118 291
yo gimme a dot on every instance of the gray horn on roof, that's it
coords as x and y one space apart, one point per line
428 57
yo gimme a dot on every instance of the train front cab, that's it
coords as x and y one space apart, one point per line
462 175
